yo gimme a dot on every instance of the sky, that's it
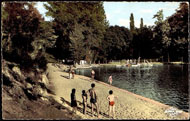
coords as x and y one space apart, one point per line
118 13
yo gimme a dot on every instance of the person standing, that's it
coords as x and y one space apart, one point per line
110 80
111 98
93 99
73 73
70 70
73 101
84 98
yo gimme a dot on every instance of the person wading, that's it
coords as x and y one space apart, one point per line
110 80
92 74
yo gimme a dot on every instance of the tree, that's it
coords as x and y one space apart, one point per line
117 43
20 28
166 40
179 32
161 33
139 41
159 16
143 43
141 24
171 35
132 23
80 28
136 44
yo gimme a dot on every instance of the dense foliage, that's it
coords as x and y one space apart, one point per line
179 33
171 35
80 31
80 27
20 33
117 43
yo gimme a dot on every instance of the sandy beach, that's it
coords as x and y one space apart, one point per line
128 105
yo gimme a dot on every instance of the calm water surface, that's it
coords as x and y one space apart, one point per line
167 84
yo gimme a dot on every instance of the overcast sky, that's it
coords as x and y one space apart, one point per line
118 13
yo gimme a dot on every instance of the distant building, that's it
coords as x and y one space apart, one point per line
83 62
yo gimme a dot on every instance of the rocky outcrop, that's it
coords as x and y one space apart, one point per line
20 83
25 94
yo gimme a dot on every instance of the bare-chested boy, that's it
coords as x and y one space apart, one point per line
93 99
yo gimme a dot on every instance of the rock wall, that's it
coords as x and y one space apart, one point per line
25 95
21 86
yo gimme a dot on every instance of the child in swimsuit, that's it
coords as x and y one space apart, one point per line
111 103
73 73
93 99
84 97
73 101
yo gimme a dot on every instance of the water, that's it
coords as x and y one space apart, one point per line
167 84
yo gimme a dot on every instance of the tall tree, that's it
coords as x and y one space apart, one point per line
179 32
21 25
166 40
132 23
159 16
140 38
141 24
117 43
158 33
80 28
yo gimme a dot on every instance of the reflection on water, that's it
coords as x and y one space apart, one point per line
167 84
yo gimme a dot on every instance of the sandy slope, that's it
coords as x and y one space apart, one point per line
128 105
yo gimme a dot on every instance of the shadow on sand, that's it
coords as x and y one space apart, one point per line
67 77
81 109
92 80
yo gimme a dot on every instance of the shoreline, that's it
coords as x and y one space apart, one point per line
136 106
144 98
139 96
123 65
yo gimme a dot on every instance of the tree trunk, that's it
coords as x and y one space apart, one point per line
168 57
9 42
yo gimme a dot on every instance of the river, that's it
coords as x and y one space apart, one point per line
167 84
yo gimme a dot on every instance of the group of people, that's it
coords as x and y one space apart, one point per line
93 96
72 74
93 101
